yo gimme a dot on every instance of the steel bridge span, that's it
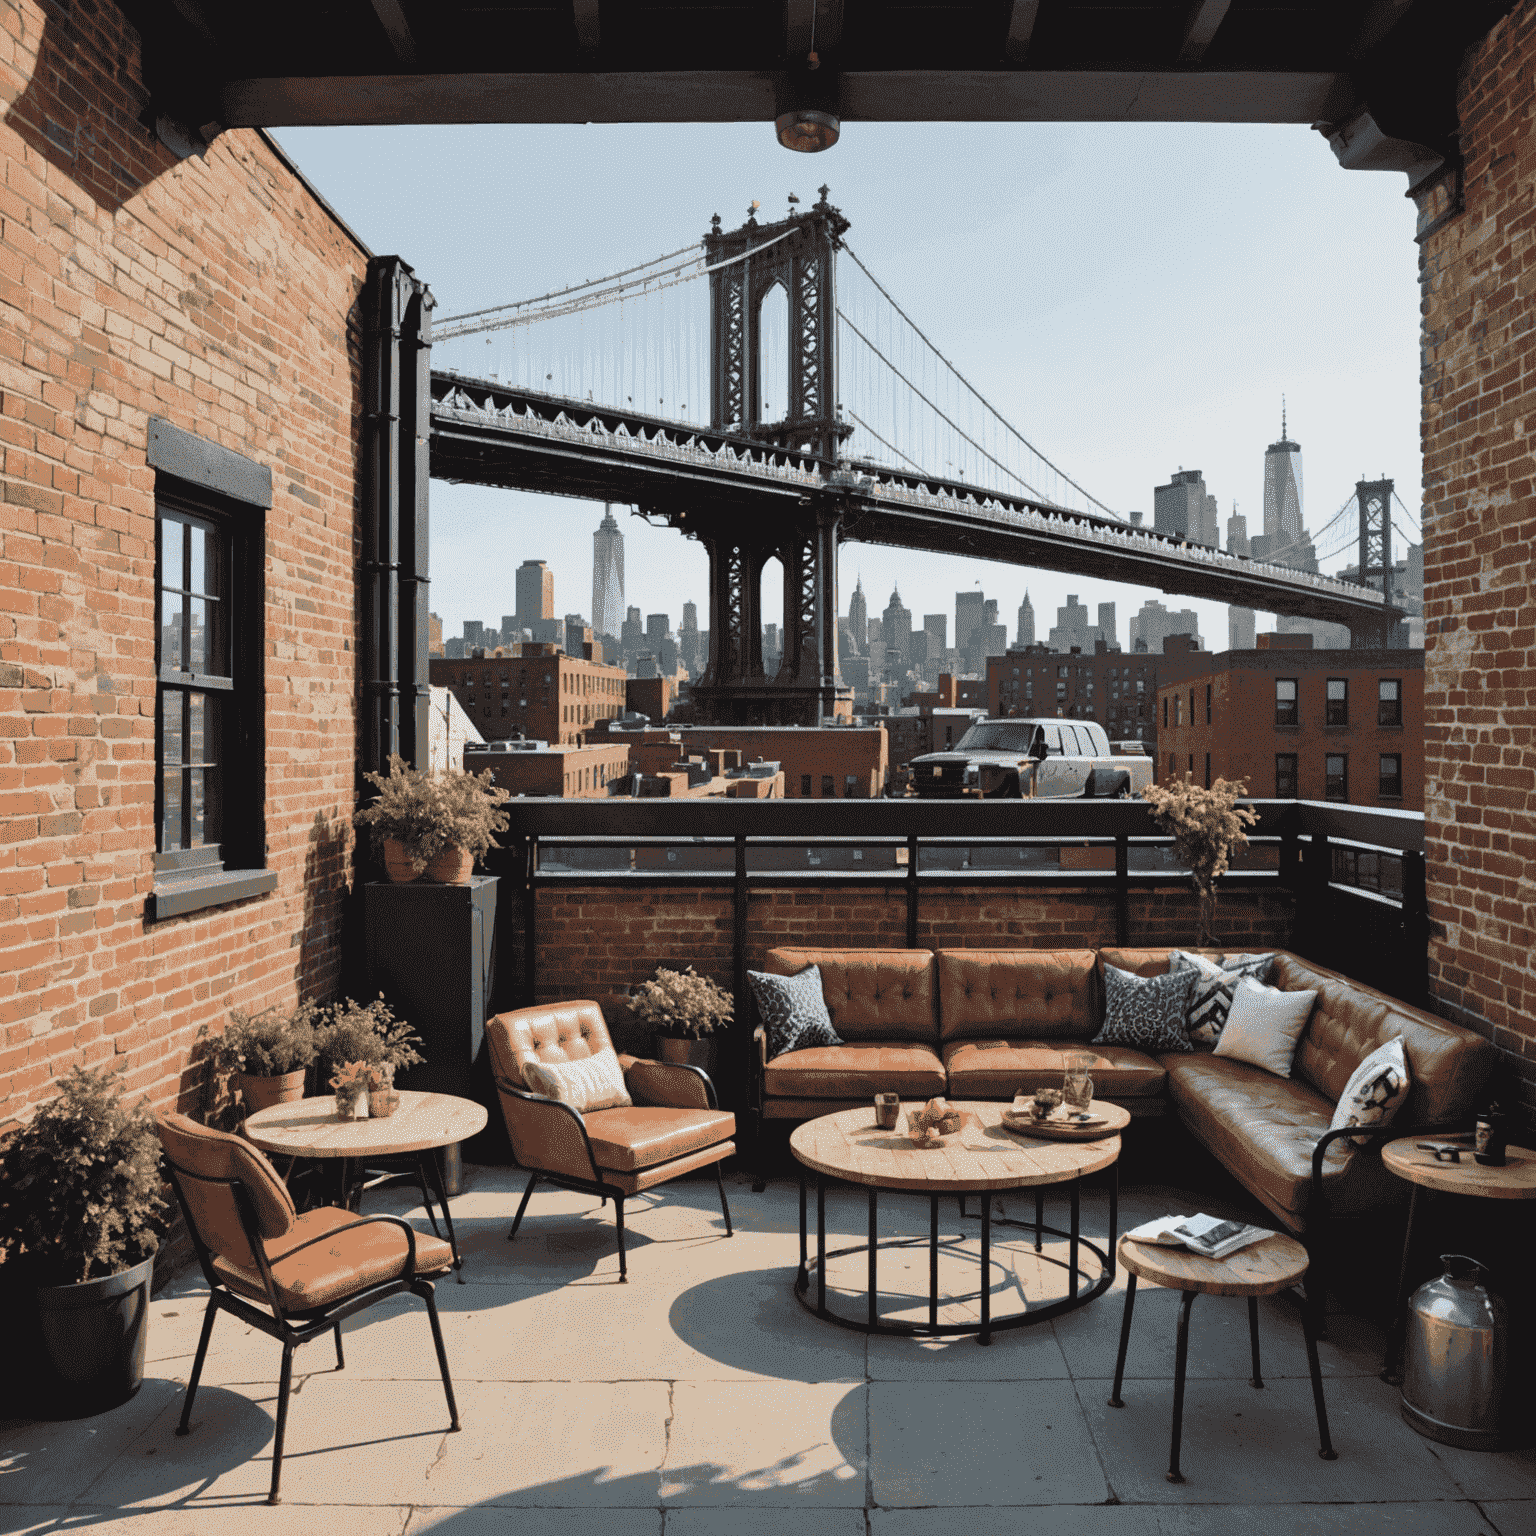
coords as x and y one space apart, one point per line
708 483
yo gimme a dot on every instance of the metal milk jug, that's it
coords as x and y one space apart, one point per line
1457 1349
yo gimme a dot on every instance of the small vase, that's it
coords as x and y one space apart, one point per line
397 864
352 1103
383 1102
453 866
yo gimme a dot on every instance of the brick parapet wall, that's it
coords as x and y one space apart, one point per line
217 293
1478 277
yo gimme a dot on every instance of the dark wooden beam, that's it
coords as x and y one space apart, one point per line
589 35
1200 27
396 28
1022 15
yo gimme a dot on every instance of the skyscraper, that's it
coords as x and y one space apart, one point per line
607 576
1282 490
535 596
896 623
1026 622
858 615
1185 509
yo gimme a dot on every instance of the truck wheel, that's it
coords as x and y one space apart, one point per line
1007 790
1108 784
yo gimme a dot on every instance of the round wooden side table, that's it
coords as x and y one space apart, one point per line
1262 1269
1516 1180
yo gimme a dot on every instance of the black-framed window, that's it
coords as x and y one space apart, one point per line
1336 776
210 739
1208 687
1286 712
1389 784
1207 770
1389 701
805 784
1285 775
828 786
1337 697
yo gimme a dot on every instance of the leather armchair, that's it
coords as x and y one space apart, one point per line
307 1273
674 1126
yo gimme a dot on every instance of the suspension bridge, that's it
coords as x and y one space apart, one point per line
793 412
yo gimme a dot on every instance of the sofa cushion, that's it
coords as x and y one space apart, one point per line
1215 983
998 1069
1041 993
643 1136
1146 1012
793 1010
856 1071
1262 1129
871 994
1376 1091
1264 1024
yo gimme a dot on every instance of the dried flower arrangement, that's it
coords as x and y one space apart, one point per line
366 1032
682 1004
429 813
1207 828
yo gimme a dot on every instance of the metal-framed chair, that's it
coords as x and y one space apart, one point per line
309 1271
674 1126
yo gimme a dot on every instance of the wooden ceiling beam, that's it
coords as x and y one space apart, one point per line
1200 27
397 29
1022 16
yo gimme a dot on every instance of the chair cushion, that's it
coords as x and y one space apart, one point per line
660 1173
793 1011
1041 994
592 1082
328 1272
857 1071
1263 1128
871 994
554 1032
1146 1013
998 1069
644 1135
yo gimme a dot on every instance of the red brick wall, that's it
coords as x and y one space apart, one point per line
219 294
1479 390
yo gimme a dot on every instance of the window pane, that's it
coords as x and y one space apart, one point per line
172 551
196 748
197 635
172 622
1338 688
170 823
195 809
171 702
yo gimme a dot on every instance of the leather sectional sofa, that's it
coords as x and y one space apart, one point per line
986 1023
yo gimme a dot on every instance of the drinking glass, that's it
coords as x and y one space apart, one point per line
1076 1084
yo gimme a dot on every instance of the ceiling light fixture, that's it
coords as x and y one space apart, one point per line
807 130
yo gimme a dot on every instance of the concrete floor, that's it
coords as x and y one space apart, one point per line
700 1398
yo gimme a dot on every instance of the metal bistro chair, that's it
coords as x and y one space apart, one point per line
312 1270
673 1127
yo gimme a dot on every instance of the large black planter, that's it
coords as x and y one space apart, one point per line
92 1337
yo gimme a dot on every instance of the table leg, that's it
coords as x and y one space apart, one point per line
1257 1379
986 1266
933 1261
1397 1323
1181 1362
1114 1218
873 1250
1325 1449
1115 1400
1072 1246
1039 1213
427 1161
821 1245
802 1280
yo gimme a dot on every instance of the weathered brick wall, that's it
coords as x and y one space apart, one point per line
1479 393
216 293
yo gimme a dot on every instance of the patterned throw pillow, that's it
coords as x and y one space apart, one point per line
1375 1091
591 1082
1214 985
1146 1012
794 1011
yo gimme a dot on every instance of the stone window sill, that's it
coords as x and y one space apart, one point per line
203 888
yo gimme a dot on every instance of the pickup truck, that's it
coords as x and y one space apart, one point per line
1033 759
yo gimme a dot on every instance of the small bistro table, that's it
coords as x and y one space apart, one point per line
423 1123
1265 1268
981 1158
1516 1180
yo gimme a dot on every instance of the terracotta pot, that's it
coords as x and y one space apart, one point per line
689 1053
396 865
453 866
263 1092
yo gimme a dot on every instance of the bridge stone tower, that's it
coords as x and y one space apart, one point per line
798 254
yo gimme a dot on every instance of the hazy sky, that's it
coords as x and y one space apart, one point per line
1135 299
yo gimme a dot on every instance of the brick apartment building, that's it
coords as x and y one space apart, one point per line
572 772
1116 688
1298 723
534 690
819 762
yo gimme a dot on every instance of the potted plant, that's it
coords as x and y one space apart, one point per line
366 1034
264 1054
435 824
1207 828
684 1009
80 1218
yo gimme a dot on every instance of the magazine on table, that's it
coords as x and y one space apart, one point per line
1211 1236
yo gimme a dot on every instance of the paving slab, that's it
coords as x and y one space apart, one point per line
1515 1517
771 1520
1396 1519
507 1520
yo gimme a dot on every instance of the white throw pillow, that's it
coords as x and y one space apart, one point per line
1264 1024
591 1082
1375 1091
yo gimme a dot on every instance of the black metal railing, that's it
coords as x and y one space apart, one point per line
1354 876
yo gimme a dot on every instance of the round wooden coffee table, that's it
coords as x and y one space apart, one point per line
1274 1264
981 1159
423 1123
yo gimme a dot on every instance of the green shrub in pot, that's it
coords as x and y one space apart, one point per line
365 1032
264 1055
430 814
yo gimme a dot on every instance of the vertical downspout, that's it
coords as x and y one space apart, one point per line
415 483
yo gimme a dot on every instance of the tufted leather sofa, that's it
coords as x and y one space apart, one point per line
987 1023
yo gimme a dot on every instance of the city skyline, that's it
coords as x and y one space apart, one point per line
1123 335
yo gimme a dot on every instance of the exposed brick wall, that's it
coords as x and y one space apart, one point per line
219 294
1479 394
